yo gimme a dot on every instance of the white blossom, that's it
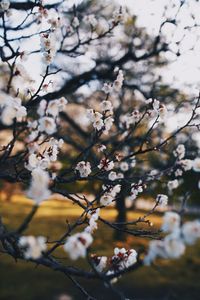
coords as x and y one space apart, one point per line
100 262
133 162
77 244
119 15
112 176
156 249
84 168
178 173
106 165
107 88
47 124
171 221
156 105
196 164
42 108
191 232
38 189
124 166
162 200
108 122
90 19
136 188
123 258
35 161
56 106
101 148
106 106
180 151
11 109
117 85
186 164
75 22
106 199
110 194
173 184
93 215
32 246
174 247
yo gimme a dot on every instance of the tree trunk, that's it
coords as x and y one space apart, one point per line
121 214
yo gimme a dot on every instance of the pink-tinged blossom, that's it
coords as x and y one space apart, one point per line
123 258
106 164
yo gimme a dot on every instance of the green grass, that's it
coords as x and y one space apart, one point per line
178 279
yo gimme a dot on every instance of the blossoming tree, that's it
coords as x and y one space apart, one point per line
71 102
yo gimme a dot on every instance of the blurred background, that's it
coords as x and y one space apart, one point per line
171 76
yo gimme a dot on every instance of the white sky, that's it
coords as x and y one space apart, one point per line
186 69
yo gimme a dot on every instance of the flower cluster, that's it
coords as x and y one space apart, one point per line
179 152
116 86
90 19
110 192
77 244
173 184
48 113
196 164
39 187
106 164
101 121
84 168
130 119
11 109
136 188
174 243
123 258
119 15
32 247
114 176
38 161
162 200
48 47
100 262
158 108
93 217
